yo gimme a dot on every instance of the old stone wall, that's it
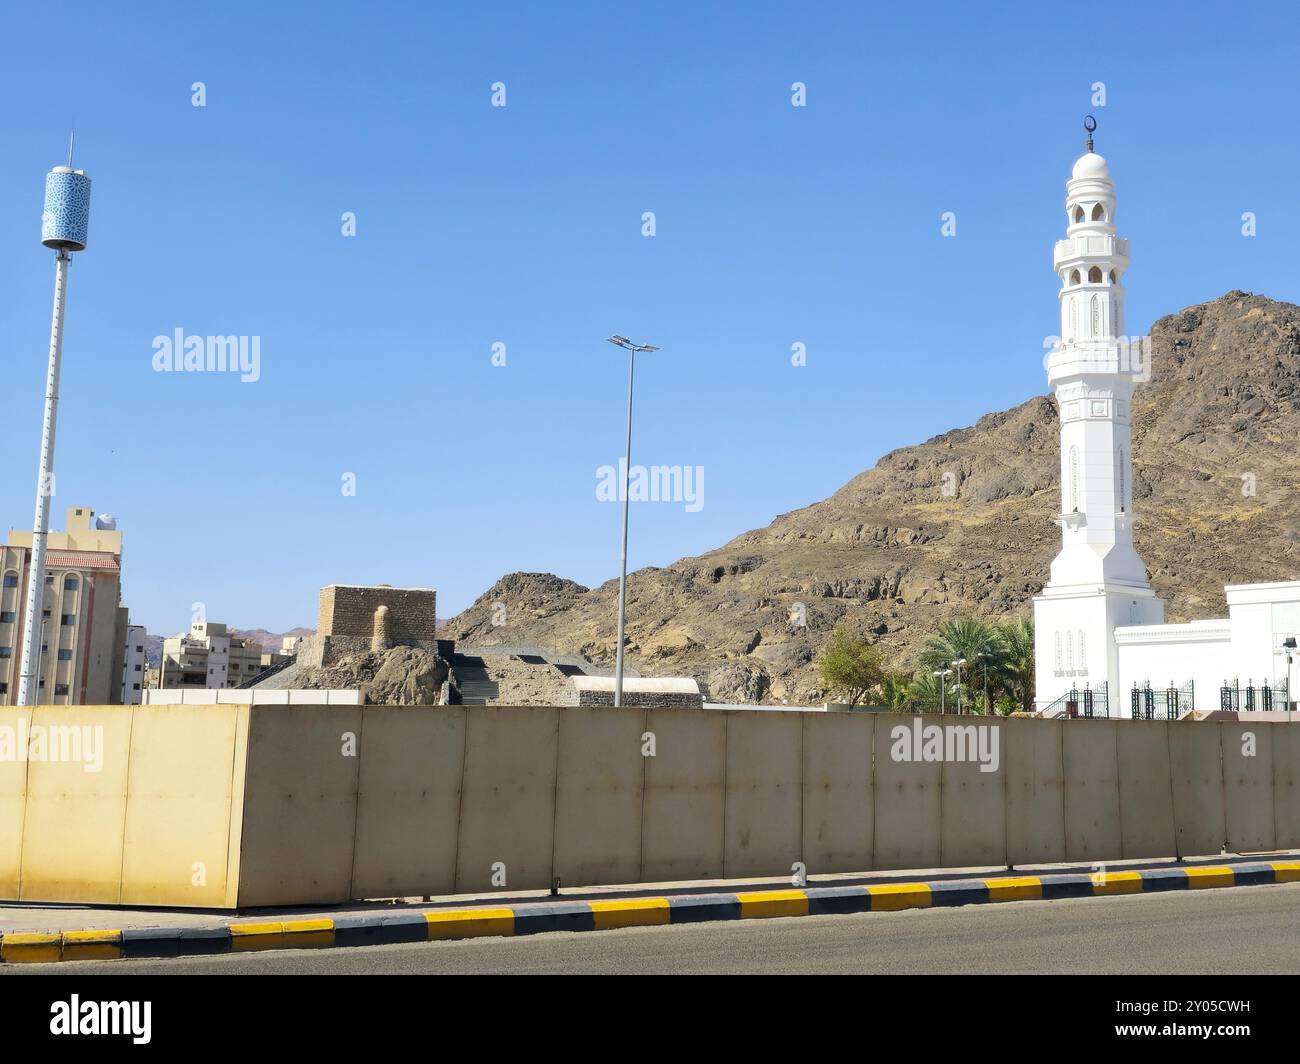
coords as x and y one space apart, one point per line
349 611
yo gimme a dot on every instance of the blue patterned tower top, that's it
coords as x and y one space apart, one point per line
67 209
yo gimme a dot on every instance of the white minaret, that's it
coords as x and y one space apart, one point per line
1097 581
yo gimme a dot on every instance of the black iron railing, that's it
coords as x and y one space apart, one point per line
1162 703
1267 698
1090 703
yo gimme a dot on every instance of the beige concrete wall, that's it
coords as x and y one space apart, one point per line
1035 790
408 801
908 796
682 816
1196 772
265 805
507 815
300 804
1248 785
601 772
764 796
1091 765
1146 799
838 796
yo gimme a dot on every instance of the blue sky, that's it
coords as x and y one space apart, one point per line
521 225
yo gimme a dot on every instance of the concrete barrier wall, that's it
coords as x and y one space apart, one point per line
221 805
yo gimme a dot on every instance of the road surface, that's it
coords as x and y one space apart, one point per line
1232 930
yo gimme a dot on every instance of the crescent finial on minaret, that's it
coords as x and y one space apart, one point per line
1090 124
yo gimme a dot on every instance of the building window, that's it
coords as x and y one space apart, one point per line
65 655
7 617
137 668
69 583
60 689
49 579
6 652
4 688
1112 277
1098 213
68 620
135 687
1078 214
11 580
1075 277
1094 275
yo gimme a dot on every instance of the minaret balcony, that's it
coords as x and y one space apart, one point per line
1072 521
1087 247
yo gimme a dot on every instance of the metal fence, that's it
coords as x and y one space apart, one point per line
1090 703
1266 697
1162 703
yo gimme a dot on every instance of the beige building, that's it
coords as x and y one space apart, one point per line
84 623
209 656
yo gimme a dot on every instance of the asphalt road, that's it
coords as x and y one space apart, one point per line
1224 931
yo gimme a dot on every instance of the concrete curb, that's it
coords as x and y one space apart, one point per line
599 915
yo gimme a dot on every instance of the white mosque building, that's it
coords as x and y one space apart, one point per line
1098 623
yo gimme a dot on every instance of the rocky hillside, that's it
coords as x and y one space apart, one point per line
1216 435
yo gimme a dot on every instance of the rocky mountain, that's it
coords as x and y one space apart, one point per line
962 525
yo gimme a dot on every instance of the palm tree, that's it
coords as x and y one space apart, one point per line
979 643
1016 671
925 689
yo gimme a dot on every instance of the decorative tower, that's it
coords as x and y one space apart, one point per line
1097 581
64 225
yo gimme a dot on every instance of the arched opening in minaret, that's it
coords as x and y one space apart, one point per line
1112 277
1098 213
1078 214
1075 277
1094 275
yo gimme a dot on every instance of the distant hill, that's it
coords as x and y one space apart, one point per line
1219 419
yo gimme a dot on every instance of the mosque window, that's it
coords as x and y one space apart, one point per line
1096 316
1098 213
1075 277
1078 214
1112 277
1094 275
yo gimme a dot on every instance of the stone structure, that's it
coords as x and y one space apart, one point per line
649 692
355 618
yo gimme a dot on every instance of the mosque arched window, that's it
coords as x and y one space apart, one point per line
1075 277
1096 317
1112 277
1094 275
1098 213
1078 214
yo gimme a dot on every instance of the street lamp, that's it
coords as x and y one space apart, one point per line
959 663
984 658
632 350
943 675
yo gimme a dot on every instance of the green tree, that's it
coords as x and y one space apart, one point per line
982 646
1016 672
851 664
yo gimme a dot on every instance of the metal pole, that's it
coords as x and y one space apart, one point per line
28 678
622 576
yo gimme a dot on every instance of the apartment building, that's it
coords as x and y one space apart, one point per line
84 625
135 669
208 656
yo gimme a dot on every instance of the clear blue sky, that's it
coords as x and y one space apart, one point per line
522 225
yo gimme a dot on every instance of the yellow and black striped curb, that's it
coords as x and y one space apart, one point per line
531 919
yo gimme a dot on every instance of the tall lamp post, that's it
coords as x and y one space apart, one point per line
959 663
632 351
943 675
